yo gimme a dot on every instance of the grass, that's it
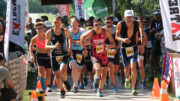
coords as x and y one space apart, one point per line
26 95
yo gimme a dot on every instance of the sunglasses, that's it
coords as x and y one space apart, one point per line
108 22
97 24
39 28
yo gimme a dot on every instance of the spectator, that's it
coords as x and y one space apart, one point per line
1 38
38 20
156 27
7 92
44 18
47 25
31 25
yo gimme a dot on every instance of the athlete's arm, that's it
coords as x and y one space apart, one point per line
69 37
31 48
111 40
118 32
84 36
142 33
48 39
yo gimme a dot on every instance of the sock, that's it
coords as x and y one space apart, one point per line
43 83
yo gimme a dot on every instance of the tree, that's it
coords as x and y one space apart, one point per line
3 5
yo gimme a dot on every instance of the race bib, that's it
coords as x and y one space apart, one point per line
59 59
120 59
110 53
149 44
99 48
129 51
79 57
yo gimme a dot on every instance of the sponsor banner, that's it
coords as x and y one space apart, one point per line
15 24
63 10
170 10
79 8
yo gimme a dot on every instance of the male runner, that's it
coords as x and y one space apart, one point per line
127 34
59 41
77 61
99 58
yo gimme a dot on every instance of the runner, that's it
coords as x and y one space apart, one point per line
42 55
99 58
127 34
113 53
56 40
141 51
77 61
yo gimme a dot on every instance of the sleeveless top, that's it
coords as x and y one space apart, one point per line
123 32
98 43
76 37
40 44
61 50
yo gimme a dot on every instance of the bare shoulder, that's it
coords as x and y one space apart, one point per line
33 40
119 24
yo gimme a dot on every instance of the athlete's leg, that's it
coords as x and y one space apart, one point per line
111 73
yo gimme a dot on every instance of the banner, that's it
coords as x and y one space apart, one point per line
63 10
15 24
96 8
170 10
26 9
176 67
79 8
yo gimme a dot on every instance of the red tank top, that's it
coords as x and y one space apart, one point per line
98 43
40 44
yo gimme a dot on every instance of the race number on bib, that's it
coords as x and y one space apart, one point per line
99 48
79 57
149 44
59 59
129 51
110 53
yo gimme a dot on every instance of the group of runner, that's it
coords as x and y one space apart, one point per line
98 49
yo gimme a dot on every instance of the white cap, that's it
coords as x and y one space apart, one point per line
157 12
128 13
47 24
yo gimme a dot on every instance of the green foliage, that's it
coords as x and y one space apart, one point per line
36 7
3 9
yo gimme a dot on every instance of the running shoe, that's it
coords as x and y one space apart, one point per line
48 89
127 84
115 89
68 86
143 85
99 93
63 94
134 92
85 81
81 86
122 83
75 89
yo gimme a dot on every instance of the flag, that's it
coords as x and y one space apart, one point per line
167 69
15 24
79 8
63 10
170 12
96 8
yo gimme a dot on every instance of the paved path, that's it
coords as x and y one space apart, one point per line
88 95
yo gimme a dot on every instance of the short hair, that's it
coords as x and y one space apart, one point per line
108 17
38 20
97 19
39 24
44 17
74 17
58 17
